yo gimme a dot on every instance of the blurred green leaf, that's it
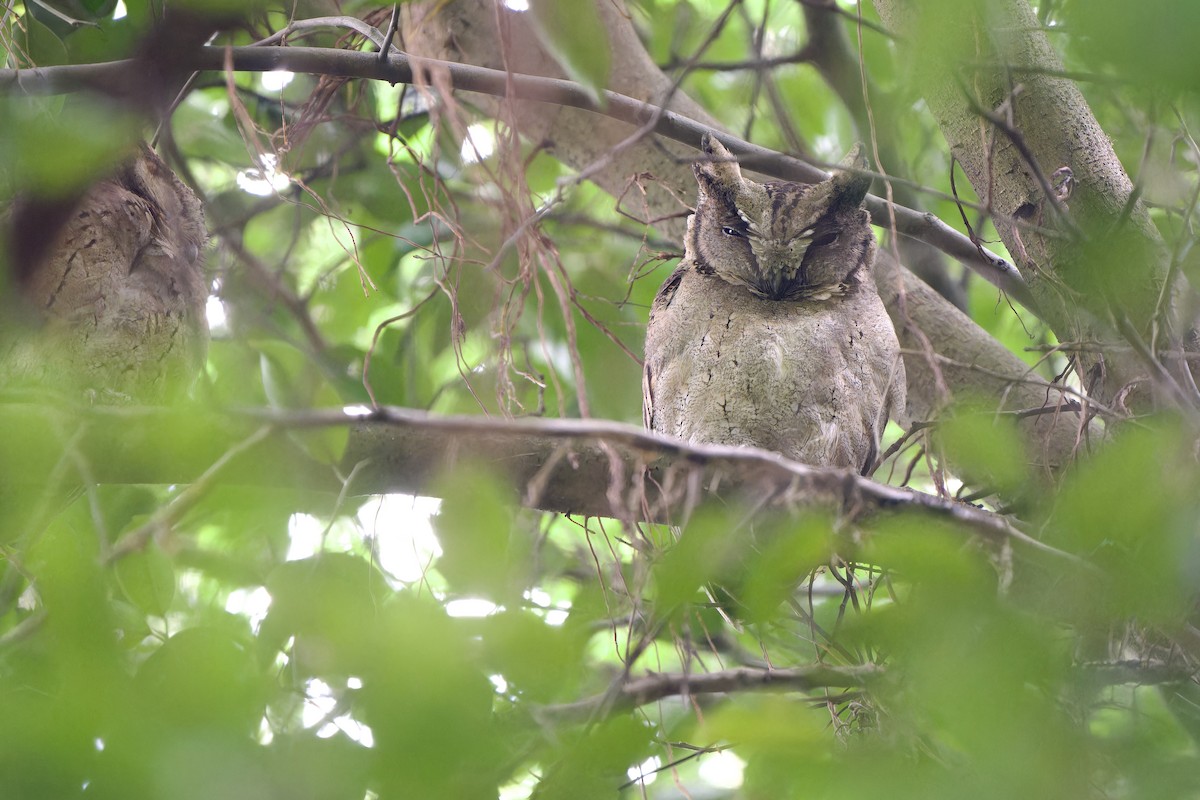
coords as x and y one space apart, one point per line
218 8
52 151
430 707
512 639
204 677
595 763
772 736
708 548
147 578
308 768
786 552
986 449
484 554
1152 47
329 603
41 46
1132 510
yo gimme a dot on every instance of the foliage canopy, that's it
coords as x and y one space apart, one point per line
205 600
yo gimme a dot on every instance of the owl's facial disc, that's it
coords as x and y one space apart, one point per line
770 238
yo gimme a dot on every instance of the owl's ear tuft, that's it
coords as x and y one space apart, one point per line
717 167
855 158
850 187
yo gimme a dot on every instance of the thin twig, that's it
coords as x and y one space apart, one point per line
640 691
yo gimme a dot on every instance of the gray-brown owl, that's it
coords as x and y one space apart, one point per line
770 332
120 298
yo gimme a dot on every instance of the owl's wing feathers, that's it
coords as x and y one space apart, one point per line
662 301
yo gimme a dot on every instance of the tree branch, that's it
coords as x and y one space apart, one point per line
1008 136
414 446
641 691
652 688
588 467
400 68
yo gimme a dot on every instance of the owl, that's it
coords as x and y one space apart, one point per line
119 300
770 332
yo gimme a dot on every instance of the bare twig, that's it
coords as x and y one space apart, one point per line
640 691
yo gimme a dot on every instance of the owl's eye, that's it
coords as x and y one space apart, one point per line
824 239
728 231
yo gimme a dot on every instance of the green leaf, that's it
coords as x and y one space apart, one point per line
147 578
986 449
1155 46
709 548
1132 510
52 151
42 47
203 676
484 554
785 553
307 767
595 763
535 658
572 32
329 603
220 8
98 9
429 705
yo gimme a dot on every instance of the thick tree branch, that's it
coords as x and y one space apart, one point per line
407 447
589 467
1095 248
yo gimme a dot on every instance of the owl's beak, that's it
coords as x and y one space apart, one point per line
779 265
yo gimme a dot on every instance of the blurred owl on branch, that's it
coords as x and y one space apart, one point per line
770 332
114 307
